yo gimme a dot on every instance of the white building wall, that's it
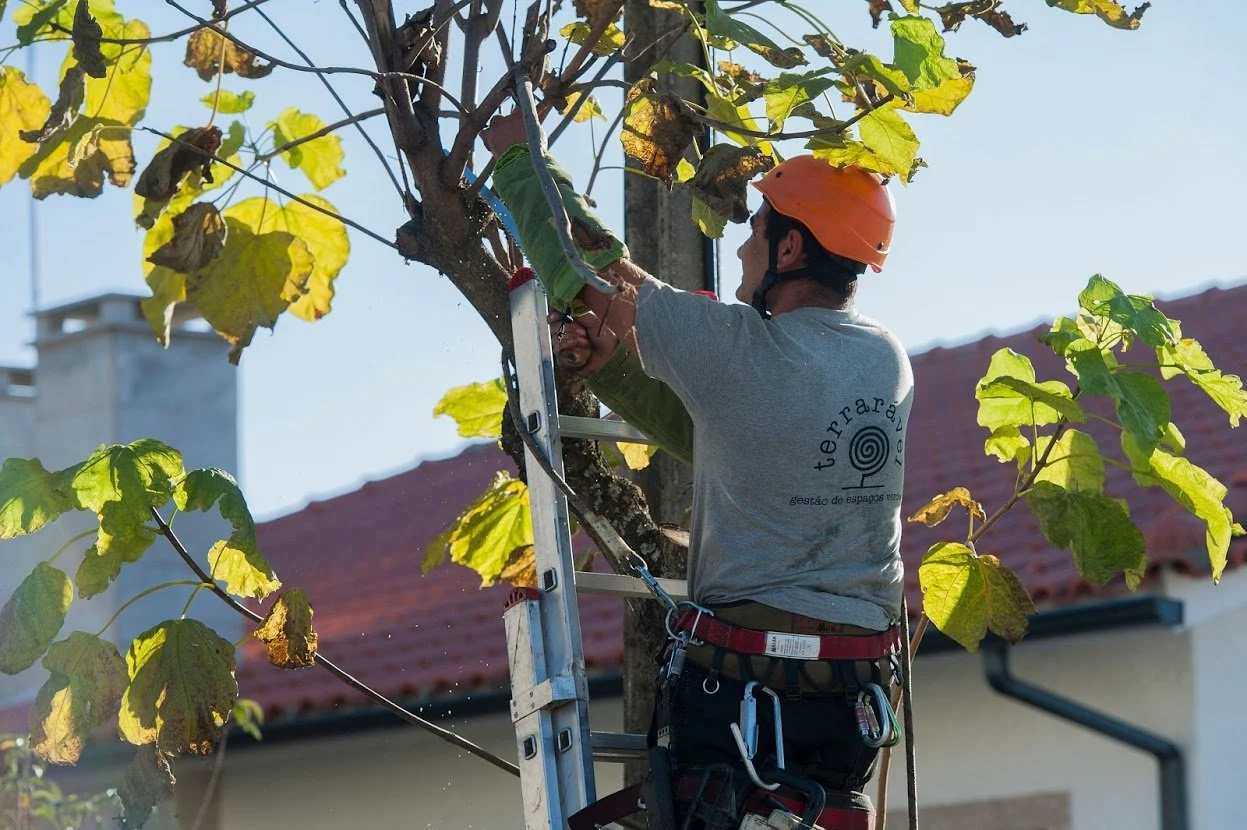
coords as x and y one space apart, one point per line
976 745
17 406
1217 615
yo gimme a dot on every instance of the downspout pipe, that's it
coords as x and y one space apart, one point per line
1174 814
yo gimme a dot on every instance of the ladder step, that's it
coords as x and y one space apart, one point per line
572 426
618 585
618 746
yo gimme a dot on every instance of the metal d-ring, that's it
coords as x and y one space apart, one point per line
705 686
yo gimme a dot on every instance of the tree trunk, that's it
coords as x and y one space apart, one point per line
664 241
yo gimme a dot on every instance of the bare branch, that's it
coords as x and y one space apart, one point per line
410 717
597 161
577 63
282 191
598 80
402 188
321 133
347 9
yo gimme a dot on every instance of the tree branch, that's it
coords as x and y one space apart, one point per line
410 717
347 10
583 89
403 189
281 190
576 66
321 133
172 36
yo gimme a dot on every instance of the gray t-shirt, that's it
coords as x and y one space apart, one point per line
799 450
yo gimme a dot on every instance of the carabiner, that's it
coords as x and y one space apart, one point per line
876 720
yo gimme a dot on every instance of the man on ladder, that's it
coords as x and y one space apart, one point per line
794 414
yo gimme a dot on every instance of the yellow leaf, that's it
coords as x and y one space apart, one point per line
487 534
23 106
207 52
198 236
326 239
937 510
52 169
657 130
254 279
637 456
477 408
318 158
942 99
589 109
578 32
123 92
87 677
288 633
1111 12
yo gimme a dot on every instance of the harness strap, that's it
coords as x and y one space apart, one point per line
795 646
606 810
853 813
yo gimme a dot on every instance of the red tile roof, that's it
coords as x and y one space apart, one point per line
412 637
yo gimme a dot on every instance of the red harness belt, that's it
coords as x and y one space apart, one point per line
704 627
836 817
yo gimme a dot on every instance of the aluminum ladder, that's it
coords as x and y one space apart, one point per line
549 690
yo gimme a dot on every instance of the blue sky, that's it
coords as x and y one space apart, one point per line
1082 150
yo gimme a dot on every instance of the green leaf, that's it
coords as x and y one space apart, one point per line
1029 403
735 115
130 478
249 715
229 103
1112 13
789 91
33 616
31 497
937 510
1095 527
288 633
488 532
966 595
1133 312
920 53
236 560
1074 463
1007 443
318 158
34 19
709 222
255 278
721 24
23 107
1187 357
1142 404
181 690
477 408
84 690
1190 486
578 32
1009 396
1066 337
120 540
147 782
891 139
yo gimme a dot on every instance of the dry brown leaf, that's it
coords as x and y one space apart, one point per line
937 510
193 150
209 52
521 570
657 131
86 36
288 633
70 97
877 8
722 176
198 236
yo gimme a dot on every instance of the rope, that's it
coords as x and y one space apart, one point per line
907 694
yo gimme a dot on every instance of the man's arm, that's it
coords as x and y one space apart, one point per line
645 403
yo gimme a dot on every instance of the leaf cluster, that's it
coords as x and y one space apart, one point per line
1061 470
174 691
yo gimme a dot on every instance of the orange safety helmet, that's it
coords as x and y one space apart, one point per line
848 209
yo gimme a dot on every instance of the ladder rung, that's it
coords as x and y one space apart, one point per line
618 746
618 585
573 426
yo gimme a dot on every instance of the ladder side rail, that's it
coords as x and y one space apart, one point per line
563 760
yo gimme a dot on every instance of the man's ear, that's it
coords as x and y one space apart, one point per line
791 249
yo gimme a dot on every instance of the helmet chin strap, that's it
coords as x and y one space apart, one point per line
773 277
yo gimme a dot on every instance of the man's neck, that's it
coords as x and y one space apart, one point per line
789 296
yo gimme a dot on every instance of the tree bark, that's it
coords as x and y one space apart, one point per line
664 241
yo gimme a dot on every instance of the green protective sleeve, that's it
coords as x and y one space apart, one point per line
645 403
516 183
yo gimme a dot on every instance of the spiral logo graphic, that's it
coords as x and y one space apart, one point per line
869 451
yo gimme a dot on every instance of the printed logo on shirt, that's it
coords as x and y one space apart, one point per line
866 437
